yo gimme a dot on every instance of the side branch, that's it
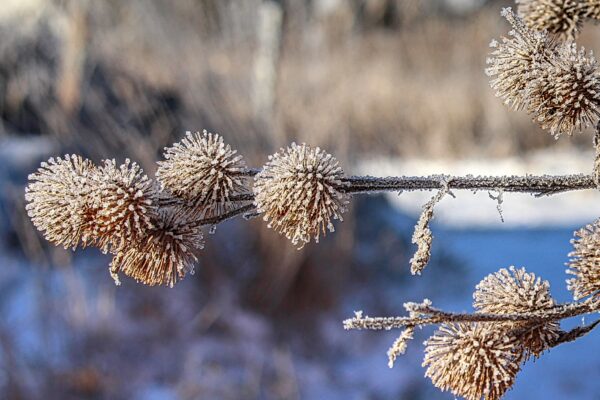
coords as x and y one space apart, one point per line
224 217
433 316
575 334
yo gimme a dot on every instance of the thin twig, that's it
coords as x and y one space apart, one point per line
248 172
435 316
176 201
574 334
536 184
224 217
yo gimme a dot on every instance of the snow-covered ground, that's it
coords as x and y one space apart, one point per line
569 371
535 234
164 350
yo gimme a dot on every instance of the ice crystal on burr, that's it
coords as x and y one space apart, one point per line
61 200
203 170
299 192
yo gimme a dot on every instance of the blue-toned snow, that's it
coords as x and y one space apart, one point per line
474 239
570 371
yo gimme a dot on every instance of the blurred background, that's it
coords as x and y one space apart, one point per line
390 87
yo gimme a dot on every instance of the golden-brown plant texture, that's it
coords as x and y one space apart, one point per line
126 201
155 230
164 255
585 262
203 170
565 92
591 9
472 360
557 83
562 17
515 291
300 191
61 201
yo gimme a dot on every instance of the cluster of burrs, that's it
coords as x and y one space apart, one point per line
479 355
155 229
563 18
556 82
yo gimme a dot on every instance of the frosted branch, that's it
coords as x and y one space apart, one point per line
400 345
247 209
433 316
539 185
575 333
534 184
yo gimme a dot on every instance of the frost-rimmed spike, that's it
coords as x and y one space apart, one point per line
126 204
203 170
590 9
299 193
513 61
515 291
561 17
472 360
165 255
584 262
60 197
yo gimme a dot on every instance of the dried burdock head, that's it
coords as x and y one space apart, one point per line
561 17
513 60
165 255
584 262
299 192
203 170
126 204
564 93
60 198
515 291
472 360
590 9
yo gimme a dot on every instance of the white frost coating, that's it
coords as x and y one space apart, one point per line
568 209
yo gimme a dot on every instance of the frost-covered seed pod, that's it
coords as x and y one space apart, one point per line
60 197
515 291
203 170
299 192
561 17
564 94
584 263
513 60
556 83
472 360
126 204
165 255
